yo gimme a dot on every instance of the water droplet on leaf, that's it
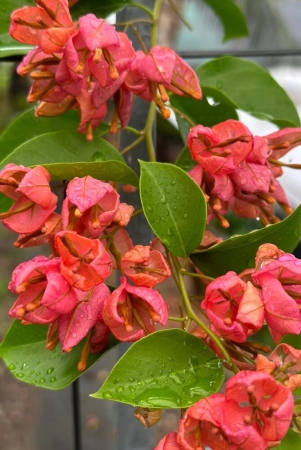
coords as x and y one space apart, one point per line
50 370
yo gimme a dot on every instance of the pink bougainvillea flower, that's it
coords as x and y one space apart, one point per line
222 148
131 311
269 412
169 442
10 177
266 253
145 267
282 141
40 283
201 425
90 115
30 281
43 235
100 337
48 25
34 200
281 311
118 242
151 74
234 307
73 327
280 281
90 204
123 215
85 262
255 412
284 363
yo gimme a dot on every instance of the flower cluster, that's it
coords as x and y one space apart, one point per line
237 308
254 412
237 170
66 291
84 64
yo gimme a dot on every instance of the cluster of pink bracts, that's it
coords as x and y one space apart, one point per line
254 412
237 170
88 240
84 64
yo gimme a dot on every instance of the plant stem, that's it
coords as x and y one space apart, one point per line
132 145
156 12
179 14
193 316
197 275
134 131
148 133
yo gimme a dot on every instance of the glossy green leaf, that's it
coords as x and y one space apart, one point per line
23 351
247 86
184 160
97 7
196 112
12 49
232 18
174 206
61 147
238 252
5 203
292 441
167 369
106 171
27 126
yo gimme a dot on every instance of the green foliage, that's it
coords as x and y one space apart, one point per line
290 442
238 252
232 18
167 369
247 86
23 351
174 206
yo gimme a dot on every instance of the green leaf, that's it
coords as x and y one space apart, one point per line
99 8
5 203
12 50
174 206
199 112
247 86
184 160
238 252
292 441
106 171
23 351
27 127
167 369
232 18
61 147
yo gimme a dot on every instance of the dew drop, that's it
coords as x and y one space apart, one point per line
173 183
132 389
139 383
31 372
219 85
159 183
120 389
98 157
11 367
50 370
211 383
33 381
131 379
38 373
170 232
163 200
42 380
185 216
20 375
167 191
52 379
24 365
149 208
107 395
